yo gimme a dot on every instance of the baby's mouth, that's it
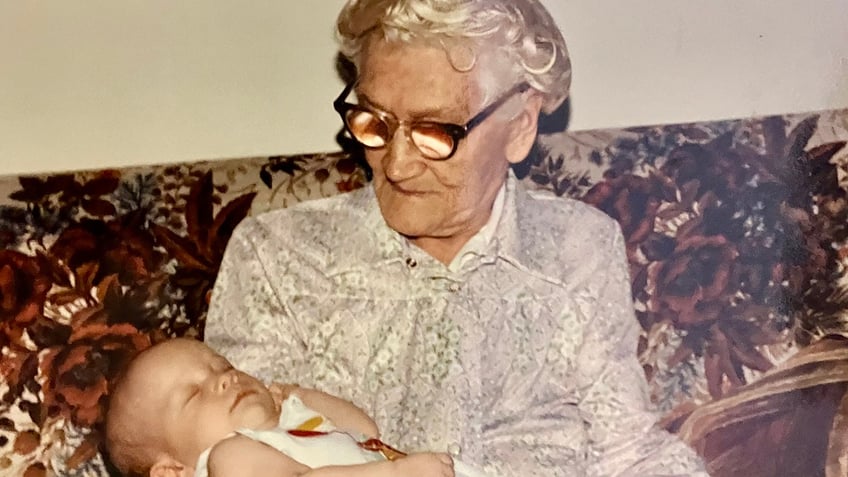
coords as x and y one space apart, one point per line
240 396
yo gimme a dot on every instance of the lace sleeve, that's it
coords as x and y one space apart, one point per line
623 439
248 322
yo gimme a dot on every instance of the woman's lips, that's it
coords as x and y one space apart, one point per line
408 191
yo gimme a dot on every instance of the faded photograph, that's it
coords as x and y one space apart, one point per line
464 288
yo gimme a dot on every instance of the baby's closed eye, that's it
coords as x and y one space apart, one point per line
190 393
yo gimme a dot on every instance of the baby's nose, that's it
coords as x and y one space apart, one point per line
227 379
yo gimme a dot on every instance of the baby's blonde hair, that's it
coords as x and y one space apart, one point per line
128 447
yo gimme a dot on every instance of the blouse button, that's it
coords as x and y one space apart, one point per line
454 287
454 449
411 263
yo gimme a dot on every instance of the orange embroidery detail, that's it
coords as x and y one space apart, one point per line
311 424
373 445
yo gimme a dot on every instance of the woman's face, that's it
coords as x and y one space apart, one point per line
419 197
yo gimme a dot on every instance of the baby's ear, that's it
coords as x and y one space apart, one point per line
167 466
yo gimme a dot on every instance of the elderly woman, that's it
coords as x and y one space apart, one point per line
463 312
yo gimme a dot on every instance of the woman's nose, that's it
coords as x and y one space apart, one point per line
401 160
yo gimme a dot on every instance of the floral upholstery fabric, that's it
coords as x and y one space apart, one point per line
736 233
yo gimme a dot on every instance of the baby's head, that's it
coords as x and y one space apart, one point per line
175 400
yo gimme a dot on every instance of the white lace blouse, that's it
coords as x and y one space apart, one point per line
521 360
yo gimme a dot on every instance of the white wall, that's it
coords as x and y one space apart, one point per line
101 83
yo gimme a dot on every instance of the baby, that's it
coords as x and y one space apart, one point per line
182 410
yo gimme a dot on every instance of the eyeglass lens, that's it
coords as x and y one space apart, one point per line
373 132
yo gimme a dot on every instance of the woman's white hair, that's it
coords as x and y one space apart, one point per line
521 30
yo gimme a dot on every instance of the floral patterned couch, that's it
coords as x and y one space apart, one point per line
737 236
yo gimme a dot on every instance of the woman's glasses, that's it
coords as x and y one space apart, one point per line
436 141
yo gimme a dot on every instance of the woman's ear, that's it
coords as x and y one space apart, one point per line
167 466
524 127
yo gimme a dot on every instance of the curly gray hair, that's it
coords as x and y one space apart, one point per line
523 30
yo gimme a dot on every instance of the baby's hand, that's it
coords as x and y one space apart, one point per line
424 464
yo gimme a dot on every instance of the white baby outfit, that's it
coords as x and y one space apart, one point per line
326 446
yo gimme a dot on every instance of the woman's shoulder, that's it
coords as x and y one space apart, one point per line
333 220
565 215
350 206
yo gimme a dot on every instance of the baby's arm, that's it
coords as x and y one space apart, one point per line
242 456
344 414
